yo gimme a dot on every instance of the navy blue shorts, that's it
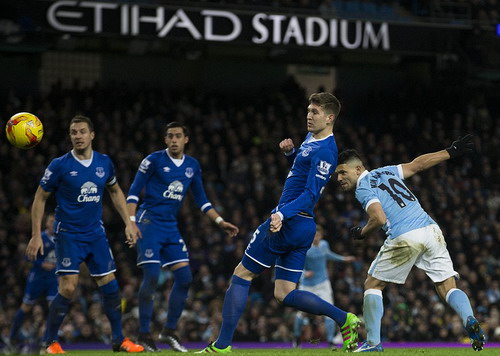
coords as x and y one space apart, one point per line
161 243
285 249
38 285
72 249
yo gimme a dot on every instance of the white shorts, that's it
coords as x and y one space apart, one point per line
322 290
424 248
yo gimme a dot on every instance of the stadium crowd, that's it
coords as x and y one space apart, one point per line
236 142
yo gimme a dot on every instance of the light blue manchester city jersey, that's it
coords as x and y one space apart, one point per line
402 209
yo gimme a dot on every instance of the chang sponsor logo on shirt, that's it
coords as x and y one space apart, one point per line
89 193
174 191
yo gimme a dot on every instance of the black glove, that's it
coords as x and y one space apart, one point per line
355 233
461 146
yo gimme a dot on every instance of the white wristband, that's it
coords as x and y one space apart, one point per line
218 220
132 218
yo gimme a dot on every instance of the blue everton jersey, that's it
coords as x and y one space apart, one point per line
167 182
49 256
402 209
79 187
313 164
316 262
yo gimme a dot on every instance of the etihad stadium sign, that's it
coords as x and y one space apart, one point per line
100 18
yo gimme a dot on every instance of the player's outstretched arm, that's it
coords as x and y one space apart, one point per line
230 229
132 233
35 244
376 219
459 147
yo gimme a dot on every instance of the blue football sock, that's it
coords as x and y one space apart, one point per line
57 311
113 309
297 325
16 324
150 271
235 301
460 303
373 310
178 296
312 304
330 329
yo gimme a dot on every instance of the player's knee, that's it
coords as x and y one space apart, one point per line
67 290
183 277
280 295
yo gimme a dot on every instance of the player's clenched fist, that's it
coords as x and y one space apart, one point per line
287 145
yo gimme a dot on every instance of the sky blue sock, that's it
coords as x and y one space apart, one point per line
330 329
150 272
16 324
460 303
373 310
113 309
178 295
234 305
312 304
297 325
57 311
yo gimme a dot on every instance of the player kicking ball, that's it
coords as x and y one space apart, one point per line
413 238
284 238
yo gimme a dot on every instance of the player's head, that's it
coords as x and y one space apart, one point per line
81 132
349 168
322 112
49 223
176 137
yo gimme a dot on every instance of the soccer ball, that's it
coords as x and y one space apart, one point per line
24 130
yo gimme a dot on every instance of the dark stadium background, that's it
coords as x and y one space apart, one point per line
438 80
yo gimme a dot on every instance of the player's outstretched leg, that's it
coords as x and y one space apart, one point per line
459 301
312 304
476 334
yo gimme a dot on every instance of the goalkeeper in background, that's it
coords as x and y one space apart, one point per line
413 238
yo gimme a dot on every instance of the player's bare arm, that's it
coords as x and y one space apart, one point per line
287 145
36 244
132 233
376 219
459 147
230 229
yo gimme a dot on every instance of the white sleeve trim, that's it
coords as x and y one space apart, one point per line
280 215
290 153
205 205
400 171
373 292
111 182
374 200
133 197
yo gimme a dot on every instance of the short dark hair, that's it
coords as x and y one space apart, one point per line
327 101
81 118
348 155
177 124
